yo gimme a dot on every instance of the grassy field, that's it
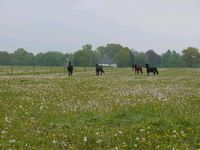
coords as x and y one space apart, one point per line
119 110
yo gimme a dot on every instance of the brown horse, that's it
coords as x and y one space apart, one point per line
138 69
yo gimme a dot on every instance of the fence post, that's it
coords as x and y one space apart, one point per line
11 69
64 69
34 69
51 69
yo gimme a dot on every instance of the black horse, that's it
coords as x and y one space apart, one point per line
70 69
99 69
151 69
138 69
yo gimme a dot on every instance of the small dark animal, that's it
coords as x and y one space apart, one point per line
138 69
99 69
70 69
154 70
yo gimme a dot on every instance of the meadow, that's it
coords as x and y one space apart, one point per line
119 110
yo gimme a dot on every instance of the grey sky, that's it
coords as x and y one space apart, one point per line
66 25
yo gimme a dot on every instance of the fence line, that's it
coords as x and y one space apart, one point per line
23 70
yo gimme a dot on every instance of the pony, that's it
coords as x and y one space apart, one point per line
154 70
70 69
99 69
138 69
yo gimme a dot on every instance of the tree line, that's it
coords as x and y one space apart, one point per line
109 54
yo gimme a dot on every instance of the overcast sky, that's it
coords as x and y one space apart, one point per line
66 25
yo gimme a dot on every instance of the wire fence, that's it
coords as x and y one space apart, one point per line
25 70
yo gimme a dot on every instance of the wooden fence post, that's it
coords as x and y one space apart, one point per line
34 69
51 69
11 69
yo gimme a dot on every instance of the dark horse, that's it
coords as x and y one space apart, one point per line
138 69
99 69
70 68
151 69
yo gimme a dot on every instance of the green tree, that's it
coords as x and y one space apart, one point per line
68 57
5 58
171 59
87 47
110 49
50 59
153 57
191 57
22 57
84 57
165 59
40 59
140 58
123 58
96 57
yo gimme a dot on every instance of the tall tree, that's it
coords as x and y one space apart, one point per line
116 53
175 60
165 59
110 49
84 57
123 58
87 47
5 58
153 57
52 58
171 59
22 57
140 58
191 57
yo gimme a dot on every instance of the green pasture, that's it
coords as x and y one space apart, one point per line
47 109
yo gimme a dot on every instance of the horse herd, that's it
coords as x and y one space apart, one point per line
99 69
138 69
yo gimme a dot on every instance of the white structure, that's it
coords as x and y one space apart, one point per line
109 65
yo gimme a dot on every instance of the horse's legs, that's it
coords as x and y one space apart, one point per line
157 71
141 71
